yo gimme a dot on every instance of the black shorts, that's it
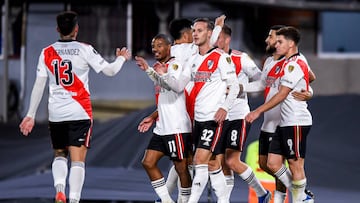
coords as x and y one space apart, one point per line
290 142
175 146
221 145
207 135
264 141
236 134
70 133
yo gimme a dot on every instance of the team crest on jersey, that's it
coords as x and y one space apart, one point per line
291 68
228 59
210 64
277 70
175 66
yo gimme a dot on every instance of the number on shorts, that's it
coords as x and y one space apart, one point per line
206 135
234 134
172 146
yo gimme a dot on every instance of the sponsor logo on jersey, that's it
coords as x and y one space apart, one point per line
269 81
202 76
230 72
287 81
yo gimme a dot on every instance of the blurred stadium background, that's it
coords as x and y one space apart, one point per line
330 41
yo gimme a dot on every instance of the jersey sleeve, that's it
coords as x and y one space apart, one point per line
95 60
215 35
36 95
227 67
156 78
255 86
41 67
177 77
292 75
249 66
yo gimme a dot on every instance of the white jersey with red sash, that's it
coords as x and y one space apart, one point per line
173 117
206 92
67 64
296 77
245 68
272 71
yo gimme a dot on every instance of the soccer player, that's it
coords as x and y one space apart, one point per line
235 128
66 63
182 49
212 73
173 126
295 118
269 83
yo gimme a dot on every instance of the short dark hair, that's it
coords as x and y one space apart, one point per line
210 24
165 37
66 22
177 26
276 27
290 32
226 29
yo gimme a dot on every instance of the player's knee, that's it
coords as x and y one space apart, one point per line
214 165
297 170
181 168
148 164
231 163
273 166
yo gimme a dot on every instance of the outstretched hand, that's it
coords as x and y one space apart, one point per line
141 62
123 52
160 68
27 125
220 20
145 124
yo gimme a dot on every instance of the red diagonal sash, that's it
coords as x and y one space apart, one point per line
276 72
237 61
305 70
213 60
